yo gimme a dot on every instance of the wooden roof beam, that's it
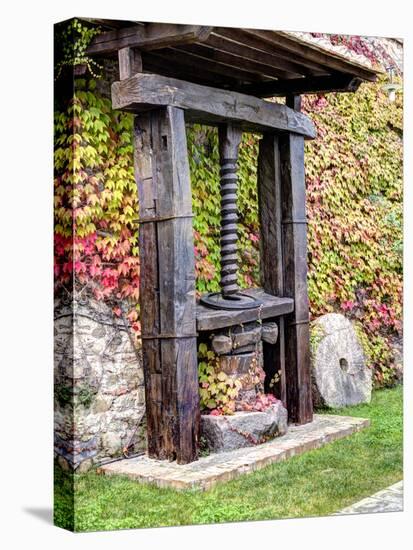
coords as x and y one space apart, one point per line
250 40
207 105
155 63
309 85
229 44
194 60
205 51
149 37
309 52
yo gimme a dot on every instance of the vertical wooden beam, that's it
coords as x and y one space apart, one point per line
149 281
293 101
167 286
269 198
130 62
297 345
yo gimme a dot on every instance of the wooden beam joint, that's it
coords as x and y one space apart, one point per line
293 101
130 62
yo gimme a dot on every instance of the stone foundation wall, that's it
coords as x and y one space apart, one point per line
99 386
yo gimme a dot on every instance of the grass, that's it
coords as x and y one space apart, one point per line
317 483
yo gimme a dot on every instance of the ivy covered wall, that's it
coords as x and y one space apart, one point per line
354 174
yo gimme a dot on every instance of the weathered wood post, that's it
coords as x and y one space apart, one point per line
281 187
167 282
297 335
272 272
167 285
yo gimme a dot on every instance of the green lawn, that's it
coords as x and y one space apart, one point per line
319 482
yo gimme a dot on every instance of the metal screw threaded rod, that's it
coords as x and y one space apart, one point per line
230 297
229 220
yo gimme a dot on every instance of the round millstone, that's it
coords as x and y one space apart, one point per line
340 376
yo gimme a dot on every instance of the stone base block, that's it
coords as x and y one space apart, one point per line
243 429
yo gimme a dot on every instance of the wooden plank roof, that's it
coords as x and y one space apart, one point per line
257 62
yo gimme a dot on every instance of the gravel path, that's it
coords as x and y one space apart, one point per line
387 500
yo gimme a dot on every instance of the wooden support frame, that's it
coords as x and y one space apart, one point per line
167 286
258 62
240 55
166 246
311 53
207 105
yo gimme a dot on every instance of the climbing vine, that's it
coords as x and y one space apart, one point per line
96 202
360 45
219 392
354 206
71 42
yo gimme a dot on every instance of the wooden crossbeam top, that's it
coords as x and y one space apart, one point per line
204 104
147 37
213 319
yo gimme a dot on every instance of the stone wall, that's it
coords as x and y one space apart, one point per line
99 387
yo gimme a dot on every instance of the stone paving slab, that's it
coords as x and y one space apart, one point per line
218 467
387 500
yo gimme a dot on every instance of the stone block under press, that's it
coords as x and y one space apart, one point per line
221 344
243 429
245 337
269 333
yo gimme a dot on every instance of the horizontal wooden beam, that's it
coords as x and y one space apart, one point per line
316 84
203 104
148 37
111 24
272 306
